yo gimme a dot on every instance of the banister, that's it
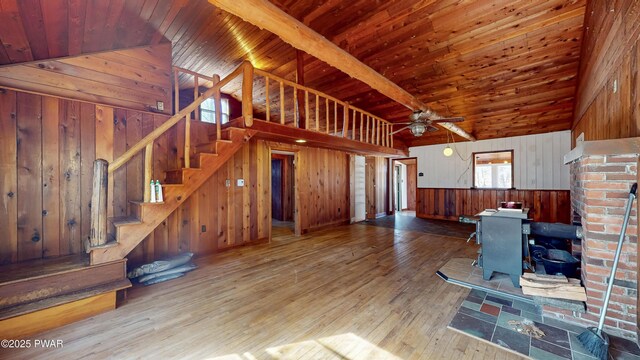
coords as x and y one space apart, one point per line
152 136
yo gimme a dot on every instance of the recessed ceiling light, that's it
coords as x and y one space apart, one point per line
300 141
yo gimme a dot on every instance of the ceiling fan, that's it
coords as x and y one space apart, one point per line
420 122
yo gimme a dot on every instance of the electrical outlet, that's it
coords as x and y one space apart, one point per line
227 183
240 182
160 105
204 228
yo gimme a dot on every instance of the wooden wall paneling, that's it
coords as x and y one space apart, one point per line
104 144
222 189
9 178
29 140
184 223
128 78
87 157
119 198
370 180
70 201
236 204
412 178
135 166
135 170
263 189
246 194
441 203
50 177
173 222
160 151
193 233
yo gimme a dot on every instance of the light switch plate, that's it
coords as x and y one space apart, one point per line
160 105
240 182
227 183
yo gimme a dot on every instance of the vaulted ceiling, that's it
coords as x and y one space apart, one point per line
508 66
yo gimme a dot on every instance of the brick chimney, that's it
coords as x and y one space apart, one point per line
602 173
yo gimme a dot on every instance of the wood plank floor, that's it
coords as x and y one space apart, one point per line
351 292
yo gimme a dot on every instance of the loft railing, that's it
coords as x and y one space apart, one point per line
322 113
103 170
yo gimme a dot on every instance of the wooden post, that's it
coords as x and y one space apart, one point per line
361 125
306 110
217 102
303 111
176 92
247 94
317 113
296 114
266 95
335 118
196 94
187 140
281 103
148 171
353 127
367 131
326 103
345 121
98 235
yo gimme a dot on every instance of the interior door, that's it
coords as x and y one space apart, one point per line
276 189
359 184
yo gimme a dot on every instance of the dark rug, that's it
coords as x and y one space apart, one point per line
495 319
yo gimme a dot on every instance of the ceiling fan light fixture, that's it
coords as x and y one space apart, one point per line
418 128
448 151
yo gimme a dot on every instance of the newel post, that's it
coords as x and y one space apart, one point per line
98 235
247 94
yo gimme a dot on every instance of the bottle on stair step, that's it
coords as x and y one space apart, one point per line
153 192
159 197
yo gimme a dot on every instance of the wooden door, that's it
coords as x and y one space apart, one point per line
370 186
276 189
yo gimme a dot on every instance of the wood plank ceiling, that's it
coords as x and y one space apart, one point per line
508 66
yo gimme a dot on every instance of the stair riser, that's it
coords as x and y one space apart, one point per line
36 288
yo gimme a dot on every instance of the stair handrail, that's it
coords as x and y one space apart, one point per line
160 130
102 170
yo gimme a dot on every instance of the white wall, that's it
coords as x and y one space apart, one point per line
403 186
538 161
361 212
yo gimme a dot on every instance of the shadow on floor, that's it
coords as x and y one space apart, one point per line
408 221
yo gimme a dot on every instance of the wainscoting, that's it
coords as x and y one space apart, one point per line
440 203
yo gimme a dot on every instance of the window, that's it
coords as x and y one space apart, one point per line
493 170
208 111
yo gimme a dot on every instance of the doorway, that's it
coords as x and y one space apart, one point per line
282 193
405 184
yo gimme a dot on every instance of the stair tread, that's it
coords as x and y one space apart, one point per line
41 267
125 220
22 309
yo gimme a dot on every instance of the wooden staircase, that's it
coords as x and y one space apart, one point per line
144 217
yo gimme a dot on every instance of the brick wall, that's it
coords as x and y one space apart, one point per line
599 191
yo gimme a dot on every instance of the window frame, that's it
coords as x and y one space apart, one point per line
473 167
226 114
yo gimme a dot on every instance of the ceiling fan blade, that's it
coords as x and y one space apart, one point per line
451 119
397 131
404 123
431 128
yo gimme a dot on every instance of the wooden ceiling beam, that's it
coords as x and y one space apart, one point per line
265 15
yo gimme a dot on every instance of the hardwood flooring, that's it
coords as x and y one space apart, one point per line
350 292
